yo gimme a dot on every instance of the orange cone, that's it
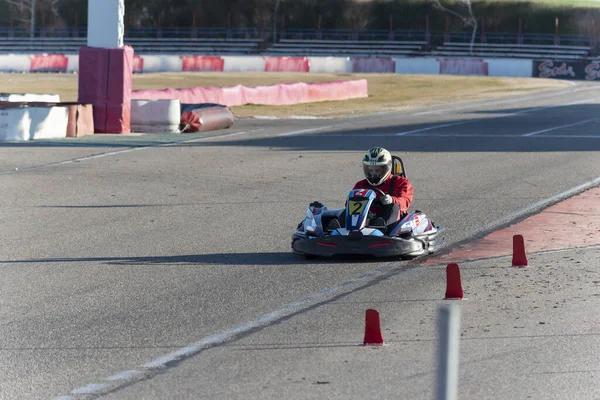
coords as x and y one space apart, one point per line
372 329
519 256
454 289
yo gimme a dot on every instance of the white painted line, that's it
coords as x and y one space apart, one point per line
451 135
531 110
124 375
430 128
553 93
570 136
91 388
321 128
560 127
441 111
264 320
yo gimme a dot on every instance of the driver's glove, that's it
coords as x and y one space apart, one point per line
386 199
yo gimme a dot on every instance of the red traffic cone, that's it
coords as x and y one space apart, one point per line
454 289
372 329
519 256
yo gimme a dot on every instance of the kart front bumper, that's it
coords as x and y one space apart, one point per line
377 246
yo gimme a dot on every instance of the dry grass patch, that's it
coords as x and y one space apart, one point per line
386 91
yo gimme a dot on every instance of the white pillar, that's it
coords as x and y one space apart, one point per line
448 349
106 23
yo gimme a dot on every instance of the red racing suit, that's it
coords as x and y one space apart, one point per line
401 192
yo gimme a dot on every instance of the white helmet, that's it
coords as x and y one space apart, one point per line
377 165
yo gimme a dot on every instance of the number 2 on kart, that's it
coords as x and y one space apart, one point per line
357 207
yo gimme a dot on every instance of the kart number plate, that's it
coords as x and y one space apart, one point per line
357 207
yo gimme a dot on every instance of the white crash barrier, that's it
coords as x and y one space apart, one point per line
332 65
158 63
20 97
15 63
73 64
417 66
509 67
155 116
48 122
243 64
25 123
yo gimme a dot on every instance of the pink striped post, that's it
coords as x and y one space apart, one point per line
229 27
593 37
319 32
520 34
427 33
482 29
194 33
159 32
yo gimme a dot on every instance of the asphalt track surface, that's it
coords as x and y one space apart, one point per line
138 268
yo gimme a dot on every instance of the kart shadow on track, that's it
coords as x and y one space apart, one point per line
225 259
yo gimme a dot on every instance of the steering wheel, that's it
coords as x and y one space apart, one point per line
379 203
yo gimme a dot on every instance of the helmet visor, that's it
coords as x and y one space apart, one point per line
375 173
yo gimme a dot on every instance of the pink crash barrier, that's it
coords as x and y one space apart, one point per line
49 63
281 94
287 64
105 81
206 119
202 63
138 65
463 67
373 64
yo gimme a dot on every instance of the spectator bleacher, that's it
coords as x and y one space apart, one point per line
527 51
141 45
361 48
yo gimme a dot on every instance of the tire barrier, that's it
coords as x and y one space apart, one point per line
373 65
159 64
286 64
155 116
243 64
330 65
510 67
138 65
463 67
48 63
205 117
430 66
202 64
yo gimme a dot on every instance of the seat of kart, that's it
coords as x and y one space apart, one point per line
398 167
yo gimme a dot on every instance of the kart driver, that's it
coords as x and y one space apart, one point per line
377 167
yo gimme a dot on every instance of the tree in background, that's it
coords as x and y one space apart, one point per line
25 11
464 12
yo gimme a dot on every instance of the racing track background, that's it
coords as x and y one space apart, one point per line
115 254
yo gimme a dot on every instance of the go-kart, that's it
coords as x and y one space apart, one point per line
363 234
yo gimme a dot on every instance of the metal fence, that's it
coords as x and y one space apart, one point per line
264 33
